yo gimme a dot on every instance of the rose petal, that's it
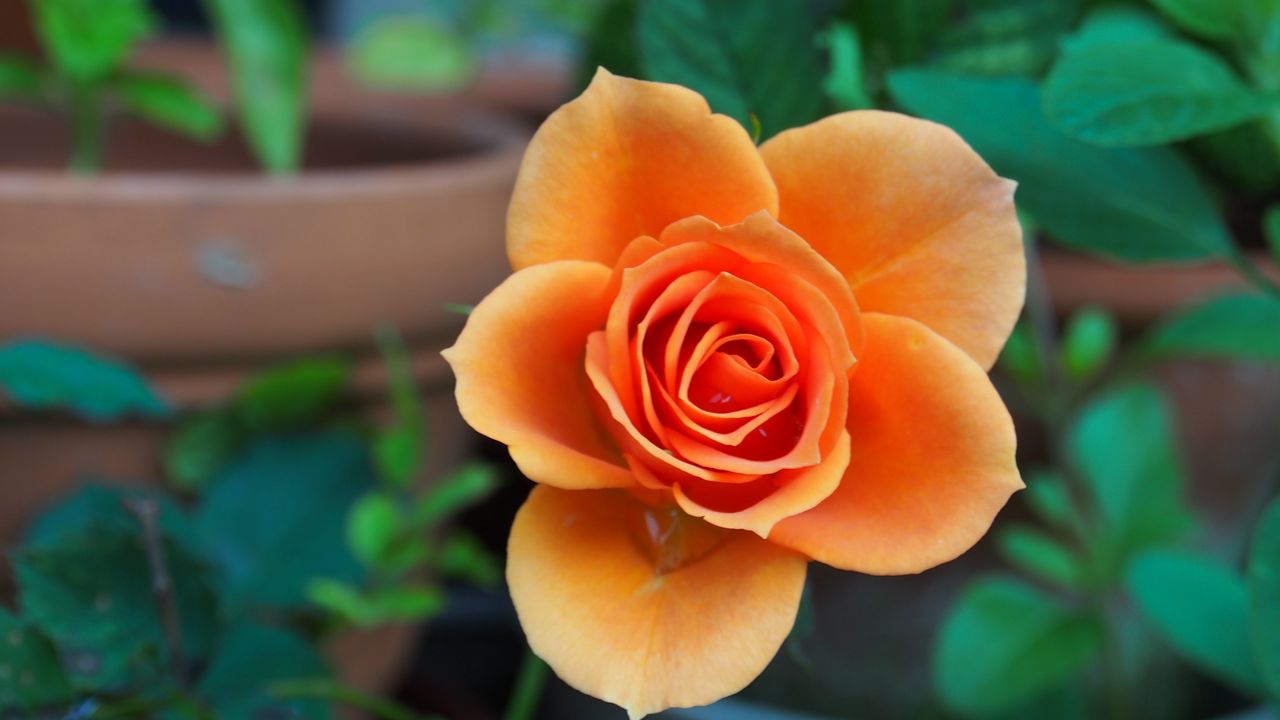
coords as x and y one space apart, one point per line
776 250
806 437
789 492
914 219
674 298
626 159
932 461
617 619
519 367
634 443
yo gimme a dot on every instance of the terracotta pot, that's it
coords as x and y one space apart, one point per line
1137 294
167 267
187 262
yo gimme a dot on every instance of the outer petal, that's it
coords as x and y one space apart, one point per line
915 220
932 460
625 159
521 379
617 619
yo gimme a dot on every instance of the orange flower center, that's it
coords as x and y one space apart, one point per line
719 374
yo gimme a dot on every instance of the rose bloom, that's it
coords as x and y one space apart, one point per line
719 362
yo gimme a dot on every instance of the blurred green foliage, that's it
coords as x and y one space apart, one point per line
411 54
88 44
294 524
744 58
41 374
265 44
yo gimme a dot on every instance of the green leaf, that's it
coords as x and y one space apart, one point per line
1257 40
340 598
275 517
92 594
249 660
1020 356
1244 156
463 556
1006 643
1112 24
200 446
1210 19
1005 37
399 449
20 77
104 508
1088 342
1041 556
292 395
1150 92
407 604
170 102
1049 498
1201 609
1271 229
743 58
402 604
1123 447
411 53
1243 326
611 43
1264 596
471 484
31 675
1133 204
266 48
89 39
845 83
41 375
398 453
373 528
900 31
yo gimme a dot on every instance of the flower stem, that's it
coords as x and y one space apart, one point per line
528 691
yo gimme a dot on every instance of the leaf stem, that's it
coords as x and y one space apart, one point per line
1115 698
333 691
1250 272
528 691
88 129
146 511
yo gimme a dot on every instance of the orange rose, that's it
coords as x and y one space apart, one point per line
680 362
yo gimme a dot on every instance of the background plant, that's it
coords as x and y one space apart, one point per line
289 520
88 78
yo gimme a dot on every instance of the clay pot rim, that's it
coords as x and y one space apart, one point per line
492 143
